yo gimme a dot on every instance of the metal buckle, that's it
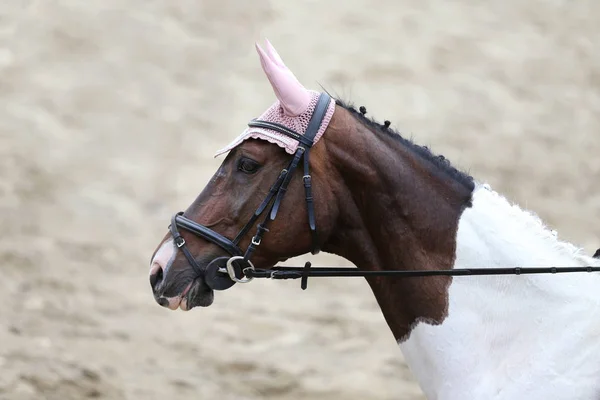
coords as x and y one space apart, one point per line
307 180
179 242
255 242
231 271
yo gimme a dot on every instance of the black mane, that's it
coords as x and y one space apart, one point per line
438 160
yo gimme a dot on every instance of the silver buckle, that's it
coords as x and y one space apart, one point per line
231 271
255 242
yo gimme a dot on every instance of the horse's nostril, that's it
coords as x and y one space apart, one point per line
156 279
162 301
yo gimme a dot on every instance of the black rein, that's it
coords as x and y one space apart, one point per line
307 271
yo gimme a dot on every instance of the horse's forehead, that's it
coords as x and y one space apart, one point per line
275 114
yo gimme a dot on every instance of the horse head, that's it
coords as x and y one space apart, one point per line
257 199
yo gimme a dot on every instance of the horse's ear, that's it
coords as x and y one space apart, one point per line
294 98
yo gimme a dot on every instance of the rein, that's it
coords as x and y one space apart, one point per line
307 271
223 272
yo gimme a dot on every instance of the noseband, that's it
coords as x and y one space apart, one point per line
224 272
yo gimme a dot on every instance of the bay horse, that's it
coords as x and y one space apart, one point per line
385 203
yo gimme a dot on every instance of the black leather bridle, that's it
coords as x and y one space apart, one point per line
224 272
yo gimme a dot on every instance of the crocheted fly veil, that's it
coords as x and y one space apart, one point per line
293 109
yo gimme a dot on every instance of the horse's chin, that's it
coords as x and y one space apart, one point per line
199 295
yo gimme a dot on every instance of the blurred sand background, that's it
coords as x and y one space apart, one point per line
110 111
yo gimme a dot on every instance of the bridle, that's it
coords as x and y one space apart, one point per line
223 272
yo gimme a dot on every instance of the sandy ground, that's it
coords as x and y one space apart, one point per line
110 111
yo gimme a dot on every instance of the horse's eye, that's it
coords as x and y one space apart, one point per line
248 166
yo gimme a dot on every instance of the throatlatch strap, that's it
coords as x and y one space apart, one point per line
311 131
310 205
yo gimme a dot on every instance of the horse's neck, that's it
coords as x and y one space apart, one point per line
495 337
398 210
509 337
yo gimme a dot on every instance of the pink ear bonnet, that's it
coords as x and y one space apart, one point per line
293 109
